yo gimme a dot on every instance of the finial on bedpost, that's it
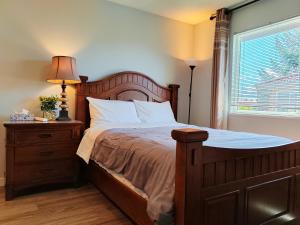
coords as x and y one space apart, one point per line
81 112
174 98
83 79
189 135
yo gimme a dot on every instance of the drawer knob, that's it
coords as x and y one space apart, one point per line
45 135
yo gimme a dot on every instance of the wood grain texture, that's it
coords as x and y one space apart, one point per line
40 155
216 186
81 206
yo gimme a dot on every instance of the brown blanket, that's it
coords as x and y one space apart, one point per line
146 157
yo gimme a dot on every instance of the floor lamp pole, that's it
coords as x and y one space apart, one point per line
190 93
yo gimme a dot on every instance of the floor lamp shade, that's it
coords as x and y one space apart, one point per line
63 71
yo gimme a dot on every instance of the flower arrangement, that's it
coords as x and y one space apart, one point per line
48 106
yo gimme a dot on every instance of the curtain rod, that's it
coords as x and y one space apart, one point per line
236 8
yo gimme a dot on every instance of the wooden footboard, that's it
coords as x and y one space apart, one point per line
217 186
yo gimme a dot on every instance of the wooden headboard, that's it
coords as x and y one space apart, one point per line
126 86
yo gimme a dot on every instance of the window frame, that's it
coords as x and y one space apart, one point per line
234 68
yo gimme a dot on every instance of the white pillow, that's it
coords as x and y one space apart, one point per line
152 112
112 111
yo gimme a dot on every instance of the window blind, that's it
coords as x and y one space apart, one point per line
266 70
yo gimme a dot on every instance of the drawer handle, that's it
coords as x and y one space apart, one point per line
45 135
46 153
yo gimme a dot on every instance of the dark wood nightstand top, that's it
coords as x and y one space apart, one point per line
38 123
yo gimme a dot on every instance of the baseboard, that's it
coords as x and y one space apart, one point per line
2 181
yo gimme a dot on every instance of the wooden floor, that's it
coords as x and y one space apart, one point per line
82 206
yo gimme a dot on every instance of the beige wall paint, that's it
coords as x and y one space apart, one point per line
257 15
201 92
104 37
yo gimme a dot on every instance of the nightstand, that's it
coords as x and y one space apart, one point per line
40 155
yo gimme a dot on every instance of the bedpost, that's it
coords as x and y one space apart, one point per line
188 175
174 97
81 103
83 79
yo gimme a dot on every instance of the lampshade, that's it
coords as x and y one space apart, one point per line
192 62
63 69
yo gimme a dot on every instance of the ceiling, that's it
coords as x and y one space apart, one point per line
188 11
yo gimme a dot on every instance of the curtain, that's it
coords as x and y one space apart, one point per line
219 101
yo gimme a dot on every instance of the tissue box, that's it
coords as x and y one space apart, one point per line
21 117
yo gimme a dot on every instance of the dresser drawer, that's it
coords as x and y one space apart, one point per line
43 172
40 153
41 136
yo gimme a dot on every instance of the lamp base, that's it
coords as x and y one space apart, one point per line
63 116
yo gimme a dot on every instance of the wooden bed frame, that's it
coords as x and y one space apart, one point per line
213 186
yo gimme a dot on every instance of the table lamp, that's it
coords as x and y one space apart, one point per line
63 71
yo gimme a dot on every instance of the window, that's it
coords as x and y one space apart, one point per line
266 70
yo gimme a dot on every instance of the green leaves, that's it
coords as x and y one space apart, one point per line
48 103
287 62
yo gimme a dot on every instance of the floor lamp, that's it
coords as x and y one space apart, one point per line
192 63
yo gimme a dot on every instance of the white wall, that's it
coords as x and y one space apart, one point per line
256 15
104 37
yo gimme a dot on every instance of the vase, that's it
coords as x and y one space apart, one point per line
50 115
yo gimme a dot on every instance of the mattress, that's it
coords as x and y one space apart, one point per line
217 138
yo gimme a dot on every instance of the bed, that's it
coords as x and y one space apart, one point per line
213 185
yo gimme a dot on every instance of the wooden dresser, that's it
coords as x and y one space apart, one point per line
40 155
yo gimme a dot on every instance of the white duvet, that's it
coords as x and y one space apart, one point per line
217 138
